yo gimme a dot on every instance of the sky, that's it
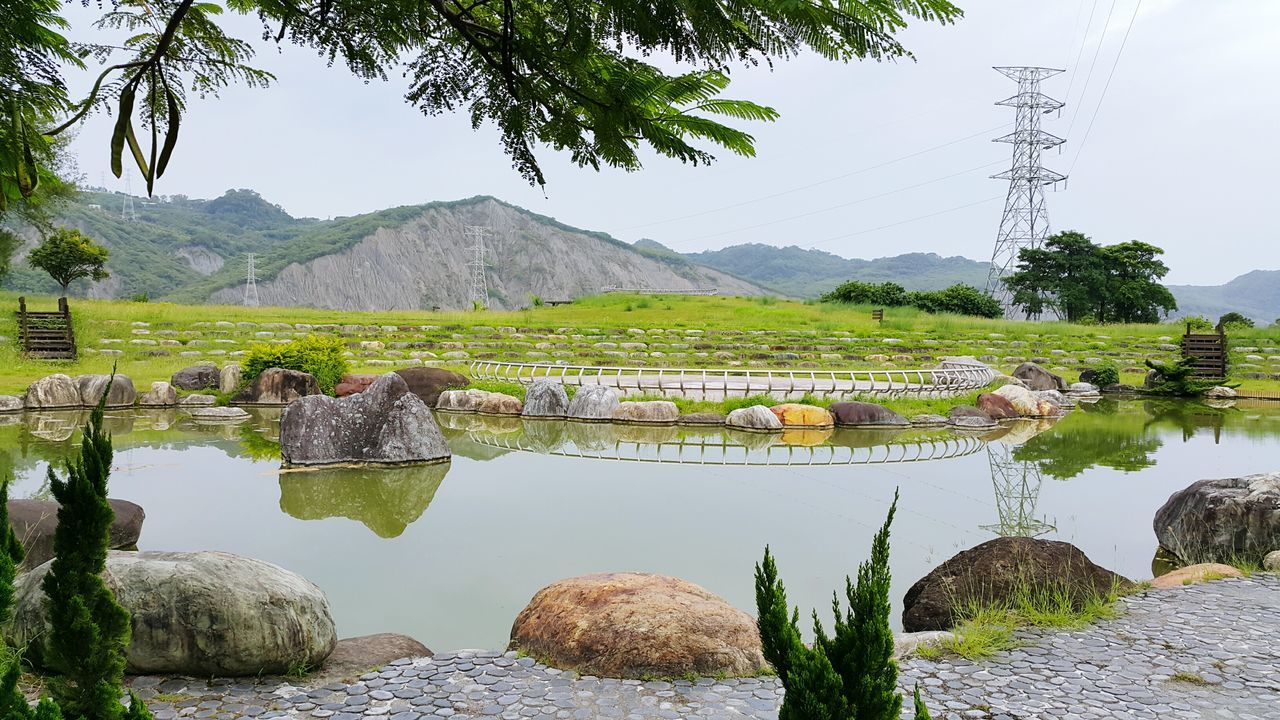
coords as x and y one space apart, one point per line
1170 140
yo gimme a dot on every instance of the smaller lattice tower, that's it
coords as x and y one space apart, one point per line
477 234
127 211
1017 492
251 283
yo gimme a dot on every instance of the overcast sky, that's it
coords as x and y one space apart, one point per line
1182 153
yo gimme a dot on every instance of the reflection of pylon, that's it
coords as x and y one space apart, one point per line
1017 488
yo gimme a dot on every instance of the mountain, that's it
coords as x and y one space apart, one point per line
809 273
1255 294
400 258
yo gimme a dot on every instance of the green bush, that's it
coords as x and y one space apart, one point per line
960 299
1106 374
855 292
1178 379
318 355
1198 323
1234 320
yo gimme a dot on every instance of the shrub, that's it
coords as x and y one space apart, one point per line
1198 323
960 299
1106 374
1235 320
1178 379
318 355
856 292
140 298
849 674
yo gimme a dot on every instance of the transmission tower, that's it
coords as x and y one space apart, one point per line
479 285
251 284
1026 219
1017 489
127 211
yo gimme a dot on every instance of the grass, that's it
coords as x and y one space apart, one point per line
1190 678
163 697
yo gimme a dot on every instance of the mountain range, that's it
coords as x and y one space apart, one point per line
418 256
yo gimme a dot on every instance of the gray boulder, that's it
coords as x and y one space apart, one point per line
1055 397
196 377
654 412
277 386
203 614
92 388
1220 392
546 399
1037 378
594 402
1271 563
928 420
198 400
757 417
1219 520
701 418
11 403
53 391
218 415
461 400
1083 388
864 414
34 522
161 394
384 424
229 377
968 416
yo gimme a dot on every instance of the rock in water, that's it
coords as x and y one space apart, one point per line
161 394
11 403
354 656
496 403
756 417
594 402
991 573
461 400
1217 520
1220 392
1083 389
632 625
384 424
34 522
229 378
277 386
546 399
218 415
428 383
654 412
864 414
997 407
796 415
204 614
92 388
53 391
702 418
1037 378
196 377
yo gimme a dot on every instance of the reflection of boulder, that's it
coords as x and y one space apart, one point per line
53 426
806 437
647 434
1020 431
384 499
544 436
749 439
592 437
864 437
494 424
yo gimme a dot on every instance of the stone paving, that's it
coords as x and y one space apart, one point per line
1209 651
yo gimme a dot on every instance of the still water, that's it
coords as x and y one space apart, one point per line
450 553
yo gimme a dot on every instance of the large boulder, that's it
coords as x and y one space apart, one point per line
428 383
970 417
34 522
796 415
12 403
1219 520
546 399
352 383
995 572
355 656
757 418
229 378
203 614
496 403
53 391
997 407
1194 575
461 400
384 424
864 414
632 625
1037 378
652 412
594 402
277 386
161 394
702 418
1027 403
93 387
196 377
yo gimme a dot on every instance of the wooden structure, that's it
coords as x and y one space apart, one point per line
1208 351
46 335
877 315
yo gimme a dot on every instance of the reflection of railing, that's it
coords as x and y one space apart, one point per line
952 377
718 451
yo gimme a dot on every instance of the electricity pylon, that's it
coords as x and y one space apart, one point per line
479 283
251 284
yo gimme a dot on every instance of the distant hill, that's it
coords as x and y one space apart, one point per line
808 273
1255 294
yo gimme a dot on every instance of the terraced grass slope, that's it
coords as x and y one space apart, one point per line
152 340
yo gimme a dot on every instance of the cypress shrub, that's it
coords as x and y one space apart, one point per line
851 673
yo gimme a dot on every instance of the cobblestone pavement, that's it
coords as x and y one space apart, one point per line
1210 651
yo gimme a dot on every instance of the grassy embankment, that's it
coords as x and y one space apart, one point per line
615 330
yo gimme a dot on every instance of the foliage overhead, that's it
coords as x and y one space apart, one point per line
572 76
69 256
1078 280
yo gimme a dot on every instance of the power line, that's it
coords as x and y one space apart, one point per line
1102 39
1084 40
1124 41
848 203
859 171
907 221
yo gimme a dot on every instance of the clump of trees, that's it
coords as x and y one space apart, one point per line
1234 320
68 256
1080 281
850 673
960 299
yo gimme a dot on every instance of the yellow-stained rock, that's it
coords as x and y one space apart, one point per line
807 437
1195 574
795 415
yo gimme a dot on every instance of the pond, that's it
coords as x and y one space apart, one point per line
451 553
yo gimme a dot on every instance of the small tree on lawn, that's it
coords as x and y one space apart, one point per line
89 631
850 674
68 256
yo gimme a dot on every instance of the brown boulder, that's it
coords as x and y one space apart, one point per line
629 625
277 386
352 384
367 653
1195 574
991 574
1037 378
862 414
428 383
34 522
997 407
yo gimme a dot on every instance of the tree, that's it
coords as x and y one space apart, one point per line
89 630
1234 319
1078 280
569 75
849 674
68 256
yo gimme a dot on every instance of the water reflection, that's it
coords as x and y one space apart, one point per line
384 499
